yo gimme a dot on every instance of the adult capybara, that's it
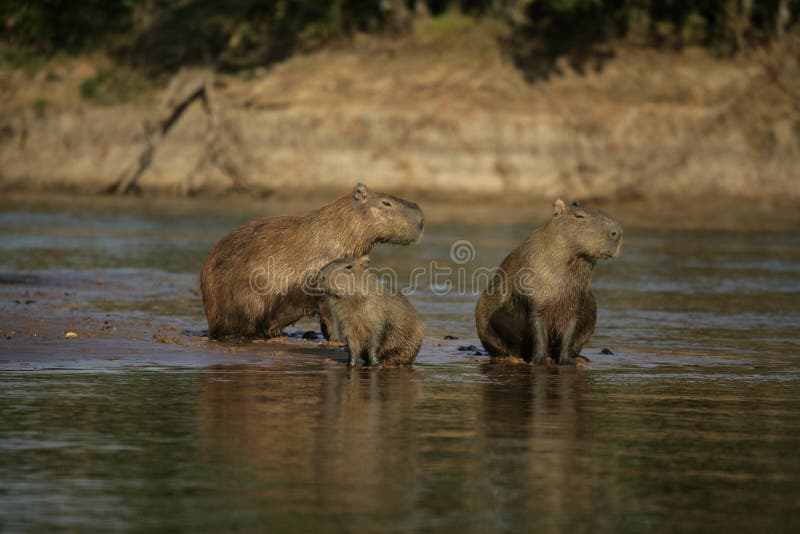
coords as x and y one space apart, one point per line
538 303
254 282
378 323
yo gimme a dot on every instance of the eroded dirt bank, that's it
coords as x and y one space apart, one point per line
411 116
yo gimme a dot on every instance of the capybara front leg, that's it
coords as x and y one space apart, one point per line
354 355
538 330
567 353
374 345
373 356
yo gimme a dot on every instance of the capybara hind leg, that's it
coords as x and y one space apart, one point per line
496 348
274 327
214 330
283 313
493 343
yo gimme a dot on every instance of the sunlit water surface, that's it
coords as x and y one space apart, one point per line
693 424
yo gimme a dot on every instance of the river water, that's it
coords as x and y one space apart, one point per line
692 424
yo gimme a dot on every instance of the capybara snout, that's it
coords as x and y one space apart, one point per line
394 219
587 232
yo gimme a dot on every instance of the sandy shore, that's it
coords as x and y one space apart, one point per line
455 122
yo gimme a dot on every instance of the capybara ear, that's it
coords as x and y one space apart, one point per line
559 207
360 192
363 261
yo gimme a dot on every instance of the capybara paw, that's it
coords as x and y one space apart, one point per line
566 359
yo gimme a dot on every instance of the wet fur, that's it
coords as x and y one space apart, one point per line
558 258
285 250
379 325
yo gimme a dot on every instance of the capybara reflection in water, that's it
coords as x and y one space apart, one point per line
254 282
379 324
538 303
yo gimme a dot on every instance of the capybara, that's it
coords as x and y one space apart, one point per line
538 303
254 282
379 324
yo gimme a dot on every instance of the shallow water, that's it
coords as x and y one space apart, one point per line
693 424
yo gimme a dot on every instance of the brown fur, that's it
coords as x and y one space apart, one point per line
253 281
380 325
539 303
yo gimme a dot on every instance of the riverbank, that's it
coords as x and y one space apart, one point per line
449 117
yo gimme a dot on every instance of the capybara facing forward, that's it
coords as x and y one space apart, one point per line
379 324
254 282
538 303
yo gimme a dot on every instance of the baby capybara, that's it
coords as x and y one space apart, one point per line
538 303
378 324
254 282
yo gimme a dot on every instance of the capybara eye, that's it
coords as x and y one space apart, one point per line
579 216
386 203
349 267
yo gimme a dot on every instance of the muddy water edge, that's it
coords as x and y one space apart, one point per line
692 424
